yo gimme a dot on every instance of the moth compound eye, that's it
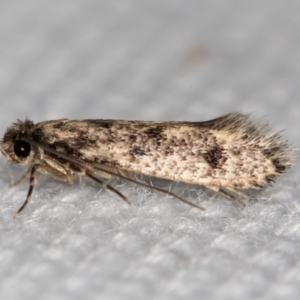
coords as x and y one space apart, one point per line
22 149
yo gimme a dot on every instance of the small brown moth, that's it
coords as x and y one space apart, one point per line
226 155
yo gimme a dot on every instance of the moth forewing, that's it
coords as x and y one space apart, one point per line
227 154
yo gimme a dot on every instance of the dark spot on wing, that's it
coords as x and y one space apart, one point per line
256 185
102 123
64 148
154 132
132 138
59 125
280 168
270 152
72 129
137 151
102 161
169 151
214 157
270 179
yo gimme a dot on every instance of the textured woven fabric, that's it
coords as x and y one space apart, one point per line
151 60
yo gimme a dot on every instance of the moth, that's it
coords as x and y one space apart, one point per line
227 154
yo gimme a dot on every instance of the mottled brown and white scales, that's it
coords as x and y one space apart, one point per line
226 155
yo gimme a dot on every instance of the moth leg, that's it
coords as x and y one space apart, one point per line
226 194
126 174
240 193
23 177
64 175
33 181
231 197
61 174
108 186
100 171
129 177
80 178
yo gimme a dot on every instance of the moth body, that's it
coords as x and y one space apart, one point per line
227 154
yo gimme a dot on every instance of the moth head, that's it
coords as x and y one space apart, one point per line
12 147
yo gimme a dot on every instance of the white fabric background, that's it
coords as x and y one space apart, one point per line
150 60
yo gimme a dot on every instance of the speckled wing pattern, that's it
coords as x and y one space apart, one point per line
229 152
